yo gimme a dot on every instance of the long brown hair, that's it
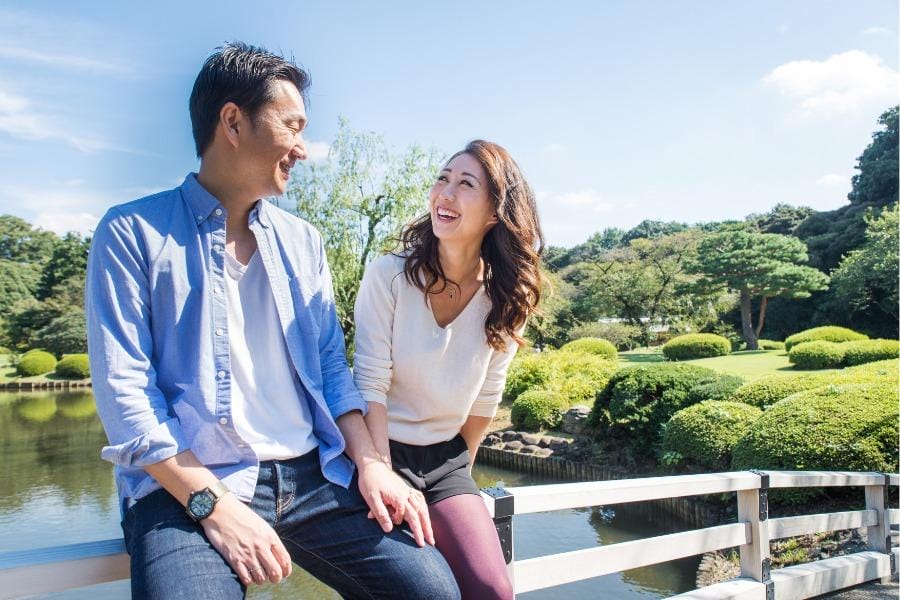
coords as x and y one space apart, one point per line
511 250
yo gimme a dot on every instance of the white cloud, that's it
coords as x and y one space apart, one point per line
317 151
839 84
877 31
587 199
833 180
62 61
20 120
58 207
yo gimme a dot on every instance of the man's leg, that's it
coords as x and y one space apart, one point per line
171 557
327 532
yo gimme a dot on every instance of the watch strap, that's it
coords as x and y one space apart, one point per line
218 489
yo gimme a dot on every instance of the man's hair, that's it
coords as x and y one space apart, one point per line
239 73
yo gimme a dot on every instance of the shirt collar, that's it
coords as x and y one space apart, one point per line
202 203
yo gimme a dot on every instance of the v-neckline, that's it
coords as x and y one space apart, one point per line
478 292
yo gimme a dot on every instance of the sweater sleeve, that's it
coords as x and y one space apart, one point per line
491 393
374 319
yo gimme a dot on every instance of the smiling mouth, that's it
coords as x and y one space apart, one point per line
445 215
285 169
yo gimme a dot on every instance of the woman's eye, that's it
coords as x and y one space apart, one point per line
442 178
468 183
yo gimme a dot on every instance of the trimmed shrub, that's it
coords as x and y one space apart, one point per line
828 333
765 392
74 366
866 351
849 427
590 345
817 355
36 362
538 409
696 345
640 400
5 350
527 371
705 433
770 345
882 370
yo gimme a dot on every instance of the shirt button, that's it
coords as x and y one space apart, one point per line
221 374
217 247
199 218
217 291
219 331
223 421
219 212
242 445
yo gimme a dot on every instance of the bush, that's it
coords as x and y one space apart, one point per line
770 345
622 335
5 350
575 376
705 433
36 362
640 400
538 409
846 427
765 392
696 345
596 346
882 370
527 371
817 355
829 333
74 366
866 351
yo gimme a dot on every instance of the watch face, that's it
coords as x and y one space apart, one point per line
201 504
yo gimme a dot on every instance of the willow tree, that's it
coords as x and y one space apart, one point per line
359 198
758 266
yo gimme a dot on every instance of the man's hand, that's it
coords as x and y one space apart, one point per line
391 501
247 542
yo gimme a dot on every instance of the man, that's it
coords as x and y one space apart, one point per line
219 372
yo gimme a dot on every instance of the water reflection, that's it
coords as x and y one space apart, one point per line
54 489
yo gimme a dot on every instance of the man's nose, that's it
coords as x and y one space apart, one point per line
299 150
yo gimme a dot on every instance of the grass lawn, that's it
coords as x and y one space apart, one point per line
8 373
749 364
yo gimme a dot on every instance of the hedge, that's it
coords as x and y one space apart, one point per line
538 409
866 351
817 355
696 345
770 345
592 345
36 362
74 366
576 376
828 333
526 371
640 400
846 427
705 433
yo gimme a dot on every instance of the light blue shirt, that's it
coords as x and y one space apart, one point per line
158 336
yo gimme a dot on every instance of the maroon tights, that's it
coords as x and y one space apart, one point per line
466 536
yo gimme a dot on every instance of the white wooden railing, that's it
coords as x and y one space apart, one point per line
31 572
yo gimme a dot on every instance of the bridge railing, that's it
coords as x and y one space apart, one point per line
26 573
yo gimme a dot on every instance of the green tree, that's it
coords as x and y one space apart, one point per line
554 322
783 219
866 280
23 243
591 250
877 183
68 259
18 282
359 199
639 283
756 265
651 230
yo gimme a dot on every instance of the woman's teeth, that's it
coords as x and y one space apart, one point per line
446 215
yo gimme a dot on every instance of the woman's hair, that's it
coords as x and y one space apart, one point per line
511 250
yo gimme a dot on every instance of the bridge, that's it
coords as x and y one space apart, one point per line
45 570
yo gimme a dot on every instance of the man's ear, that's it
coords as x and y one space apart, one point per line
231 121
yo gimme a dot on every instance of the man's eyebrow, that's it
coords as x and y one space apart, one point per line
297 117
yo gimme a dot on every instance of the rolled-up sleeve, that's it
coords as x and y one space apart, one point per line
134 412
374 319
341 395
491 393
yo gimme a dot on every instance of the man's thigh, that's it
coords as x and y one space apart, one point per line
327 532
170 555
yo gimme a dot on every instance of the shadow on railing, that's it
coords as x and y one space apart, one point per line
46 570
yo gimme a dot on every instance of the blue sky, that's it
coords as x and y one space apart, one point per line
618 111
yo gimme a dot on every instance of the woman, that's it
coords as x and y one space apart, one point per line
436 328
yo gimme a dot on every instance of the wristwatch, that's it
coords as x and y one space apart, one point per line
200 504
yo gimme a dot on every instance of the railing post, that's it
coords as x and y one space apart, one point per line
753 508
504 509
879 536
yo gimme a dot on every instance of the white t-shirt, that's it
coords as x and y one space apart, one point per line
268 404
430 378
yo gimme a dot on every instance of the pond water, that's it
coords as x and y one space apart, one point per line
55 490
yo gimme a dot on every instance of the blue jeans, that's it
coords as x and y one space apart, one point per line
324 527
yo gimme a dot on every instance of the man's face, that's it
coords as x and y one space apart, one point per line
274 141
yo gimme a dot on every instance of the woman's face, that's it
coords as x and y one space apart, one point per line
461 208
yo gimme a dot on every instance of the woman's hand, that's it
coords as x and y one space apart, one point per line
391 501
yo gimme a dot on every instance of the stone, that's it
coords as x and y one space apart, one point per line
492 441
545 441
509 436
532 439
529 449
513 446
575 419
543 452
557 443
